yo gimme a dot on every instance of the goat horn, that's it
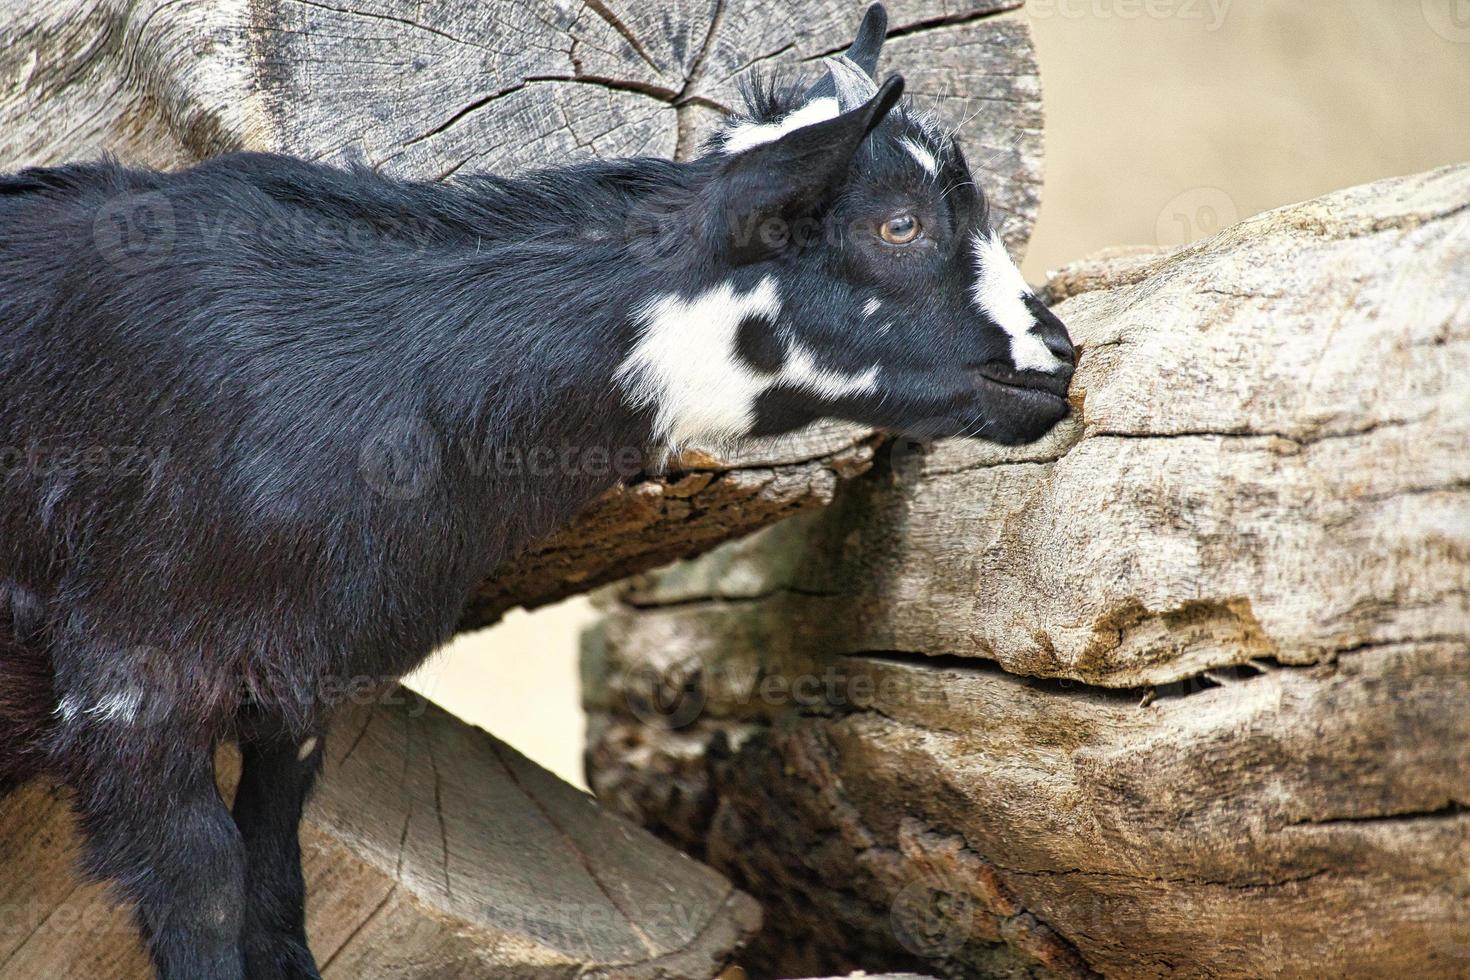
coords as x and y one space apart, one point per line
853 81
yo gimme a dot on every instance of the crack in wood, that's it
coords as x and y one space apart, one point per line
616 23
439 813
1449 810
1301 440
616 85
407 22
366 921
409 805
1247 886
685 101
716 600
940 23
351 748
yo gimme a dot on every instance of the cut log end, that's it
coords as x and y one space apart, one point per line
430 849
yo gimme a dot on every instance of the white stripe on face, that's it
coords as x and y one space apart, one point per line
748 135
923 155
1000 292
686 368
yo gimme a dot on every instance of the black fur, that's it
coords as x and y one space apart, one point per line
267 423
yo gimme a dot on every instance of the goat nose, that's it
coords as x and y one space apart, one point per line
1061 345
1054 334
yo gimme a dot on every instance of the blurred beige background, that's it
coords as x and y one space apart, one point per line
1166 120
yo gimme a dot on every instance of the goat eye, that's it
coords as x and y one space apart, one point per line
900 230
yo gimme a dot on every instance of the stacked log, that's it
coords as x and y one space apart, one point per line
431 849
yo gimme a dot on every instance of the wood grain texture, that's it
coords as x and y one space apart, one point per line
1183 689
431 850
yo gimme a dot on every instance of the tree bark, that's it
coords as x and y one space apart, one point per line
1183 689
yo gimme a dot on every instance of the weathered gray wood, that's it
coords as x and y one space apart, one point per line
432 89
1183 689
431 850
428 89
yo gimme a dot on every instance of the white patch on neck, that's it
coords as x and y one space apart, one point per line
1000 291
922 154
873 305
747 135
686 368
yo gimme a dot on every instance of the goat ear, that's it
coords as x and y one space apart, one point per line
758 195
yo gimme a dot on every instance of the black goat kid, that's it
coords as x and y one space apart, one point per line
201 536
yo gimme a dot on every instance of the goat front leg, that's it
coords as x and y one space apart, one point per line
155 824
276 776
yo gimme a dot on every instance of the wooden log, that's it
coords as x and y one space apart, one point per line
431 849
1183 689
430 90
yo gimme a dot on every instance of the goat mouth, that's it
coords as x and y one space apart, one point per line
1028 382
